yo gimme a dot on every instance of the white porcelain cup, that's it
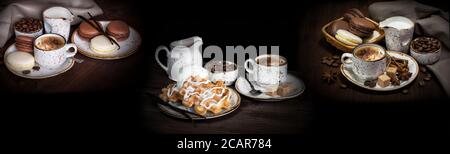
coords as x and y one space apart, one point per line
57 20
365 69
227 76
53 58
267 76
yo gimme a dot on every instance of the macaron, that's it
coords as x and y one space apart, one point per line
101 44
361 27
20 61
118 29
87 31
352 13
332 29
24 43
348 38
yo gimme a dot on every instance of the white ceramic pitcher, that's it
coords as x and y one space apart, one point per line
183 53
399 32
57 20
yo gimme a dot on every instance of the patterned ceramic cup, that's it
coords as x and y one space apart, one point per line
268 71
368 61
399 32
426 58
57 20
51 50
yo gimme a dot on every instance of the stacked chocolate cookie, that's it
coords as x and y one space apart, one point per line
354 29
24 43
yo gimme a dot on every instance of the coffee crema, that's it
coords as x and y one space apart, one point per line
271 61
369 53
50 43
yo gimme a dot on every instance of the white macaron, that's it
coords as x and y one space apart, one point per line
348 38
101 44
20 61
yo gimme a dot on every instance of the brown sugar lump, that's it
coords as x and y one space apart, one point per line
391 71
384 80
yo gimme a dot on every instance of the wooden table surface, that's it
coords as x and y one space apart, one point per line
321 106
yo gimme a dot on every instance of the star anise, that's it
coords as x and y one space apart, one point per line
329 76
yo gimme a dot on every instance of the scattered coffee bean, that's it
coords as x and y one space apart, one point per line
36 68
336 57
370 83
423 69
26 72
343 86
427 78
405 91
335 64
329 63
421 83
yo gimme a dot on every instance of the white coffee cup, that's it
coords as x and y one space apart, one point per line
267 74
57 20
365 69
52 58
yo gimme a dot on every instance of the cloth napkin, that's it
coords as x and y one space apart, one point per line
12 11
429 21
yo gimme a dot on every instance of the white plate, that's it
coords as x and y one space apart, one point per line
42 72
412 66
127 47
235 101
243 87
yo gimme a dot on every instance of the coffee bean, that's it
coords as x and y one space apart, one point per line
329 63
421 83
370 83
336 57
28 25
425 44
405 91
36 68
343 86
423 69
26 72
426 78
335 64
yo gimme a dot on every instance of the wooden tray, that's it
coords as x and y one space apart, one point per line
348 48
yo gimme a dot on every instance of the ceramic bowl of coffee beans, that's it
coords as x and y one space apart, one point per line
30 27
426 50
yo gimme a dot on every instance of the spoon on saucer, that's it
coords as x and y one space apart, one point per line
253 91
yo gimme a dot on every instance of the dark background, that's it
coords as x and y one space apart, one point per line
101 103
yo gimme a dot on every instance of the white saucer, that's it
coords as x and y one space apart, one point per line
127 47
42 72
243 87
412 66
